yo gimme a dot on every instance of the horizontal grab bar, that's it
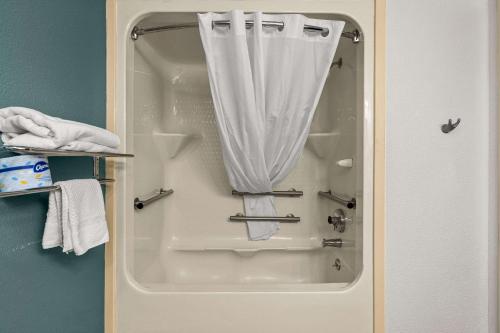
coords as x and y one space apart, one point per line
349 203
290 218
140 204
290 193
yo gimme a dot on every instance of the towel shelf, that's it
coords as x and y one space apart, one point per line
290 193
290 218
43 189
55 152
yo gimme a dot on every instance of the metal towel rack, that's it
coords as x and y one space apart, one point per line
290 218
54 152
289 193
43 189
140 204
349 203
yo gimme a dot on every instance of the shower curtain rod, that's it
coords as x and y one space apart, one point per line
354 35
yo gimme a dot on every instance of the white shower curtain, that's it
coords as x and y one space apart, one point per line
265 86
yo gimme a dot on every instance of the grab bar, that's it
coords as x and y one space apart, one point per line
290 193
140 204
349 203
290 218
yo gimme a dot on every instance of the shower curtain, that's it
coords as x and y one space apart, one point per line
265 84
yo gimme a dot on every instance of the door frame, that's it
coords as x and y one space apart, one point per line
110 248
379 168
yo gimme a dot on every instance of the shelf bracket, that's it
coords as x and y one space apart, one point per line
97 164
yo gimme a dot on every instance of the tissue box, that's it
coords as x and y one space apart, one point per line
24 172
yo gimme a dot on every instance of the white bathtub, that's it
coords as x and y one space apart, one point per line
182 266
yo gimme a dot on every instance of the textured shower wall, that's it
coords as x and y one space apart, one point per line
147 111
52 58
441 225
172 98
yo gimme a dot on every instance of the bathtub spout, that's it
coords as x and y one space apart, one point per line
334 242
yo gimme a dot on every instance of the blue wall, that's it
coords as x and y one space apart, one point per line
52 58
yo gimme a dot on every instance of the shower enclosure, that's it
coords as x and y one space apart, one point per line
184 261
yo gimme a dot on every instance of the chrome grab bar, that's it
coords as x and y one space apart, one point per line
290 218
349 203
140 204
290 193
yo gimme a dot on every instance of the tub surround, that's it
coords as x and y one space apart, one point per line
181 251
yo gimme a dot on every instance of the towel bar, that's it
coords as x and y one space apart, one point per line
140 204
290 193
290 218
43 189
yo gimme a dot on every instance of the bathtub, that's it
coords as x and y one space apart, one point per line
182 266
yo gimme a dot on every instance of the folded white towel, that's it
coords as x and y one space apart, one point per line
76 217
30 128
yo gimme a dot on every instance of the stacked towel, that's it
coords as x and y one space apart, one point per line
30 128
76 217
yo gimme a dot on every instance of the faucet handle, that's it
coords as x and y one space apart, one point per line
338 220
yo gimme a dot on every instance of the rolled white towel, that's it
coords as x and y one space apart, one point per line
26 127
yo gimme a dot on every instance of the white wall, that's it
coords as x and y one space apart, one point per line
441 188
